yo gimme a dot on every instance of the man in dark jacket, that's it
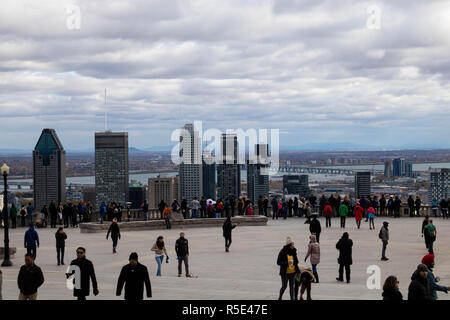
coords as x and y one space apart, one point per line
419 288
344 246
53 214
288 262
274 208
428 260
30 279
87 273
314 227
227 228
384 237
134 275
31 240
182 250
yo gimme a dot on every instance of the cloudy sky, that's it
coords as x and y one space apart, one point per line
374 73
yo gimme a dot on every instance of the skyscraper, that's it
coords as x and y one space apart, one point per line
409 170
49 170
228 169
388 168
362 184
258 173
209 176
398 167
190 168
296 184
111 167
439 185
163 188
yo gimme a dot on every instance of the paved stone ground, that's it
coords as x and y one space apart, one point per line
249 271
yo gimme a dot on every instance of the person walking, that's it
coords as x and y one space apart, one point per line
30 278
315 227
424 230
343 212
391 291
419 288
160 249
227 228
288 262
431 231
314 255
384 237
87 274
134 276
328 213
167 214
31 241
61 237
371 217
428 260
182 251
358 214
344 245
114 230
13 213
53 214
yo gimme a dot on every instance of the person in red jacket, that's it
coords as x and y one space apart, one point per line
358 214
328 213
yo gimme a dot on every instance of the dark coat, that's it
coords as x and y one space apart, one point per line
282 260
134 280
30 279
182 247
31 238
87 274
419 288
227 227
53 211
344 246
114 230
60 239
392 295
314 226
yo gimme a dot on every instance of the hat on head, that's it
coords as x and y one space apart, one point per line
385 223
428 259
288 240
422 267
133 256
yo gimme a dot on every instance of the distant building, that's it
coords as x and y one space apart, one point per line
190 168
258 173
111 167
398 167
89 195
388 169
209 176
409 170
49 170
296 184
362 184
137 193
166 189
439 185
228 169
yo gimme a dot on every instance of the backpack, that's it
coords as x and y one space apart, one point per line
380 234
432 233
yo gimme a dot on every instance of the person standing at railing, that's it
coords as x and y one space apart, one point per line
411 205
144 207
444 207
194 205
418 204
382 205
161 207
397 205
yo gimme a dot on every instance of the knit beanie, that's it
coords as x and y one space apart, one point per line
428 259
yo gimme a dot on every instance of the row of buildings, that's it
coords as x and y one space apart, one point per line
398 167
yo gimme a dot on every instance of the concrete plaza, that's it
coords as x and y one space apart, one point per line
249 270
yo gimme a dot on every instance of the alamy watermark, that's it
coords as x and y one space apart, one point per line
229 147
373 21
73 20
374 280
73 277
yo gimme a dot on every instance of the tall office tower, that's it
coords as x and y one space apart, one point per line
49 170
398 167
388 168
296 184
209 176
439 185
190 168
166 188
362 184
258 173
409 170
228 169
111 167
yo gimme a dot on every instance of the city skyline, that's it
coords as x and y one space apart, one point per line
313 70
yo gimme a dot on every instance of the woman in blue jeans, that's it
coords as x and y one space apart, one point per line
160 249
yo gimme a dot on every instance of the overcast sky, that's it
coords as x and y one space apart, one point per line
320 71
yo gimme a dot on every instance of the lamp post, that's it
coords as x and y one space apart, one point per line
5 172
